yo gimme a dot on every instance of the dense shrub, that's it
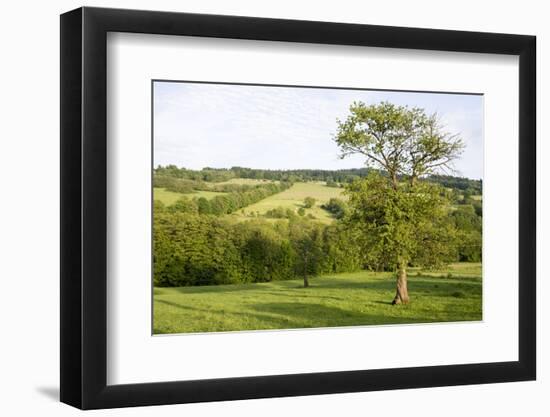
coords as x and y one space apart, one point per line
176 185
193 249
280 213
336 207
469 228
309 202
190 249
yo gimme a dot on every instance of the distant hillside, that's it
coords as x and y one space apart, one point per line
331 177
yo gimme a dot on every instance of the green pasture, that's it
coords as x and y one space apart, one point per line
293 198
170 197
349 299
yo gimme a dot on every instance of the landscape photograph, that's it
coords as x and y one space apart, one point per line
287 207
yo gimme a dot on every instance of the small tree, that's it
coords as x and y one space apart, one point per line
307 241
401 219
184 205
309 202
336 207
203 206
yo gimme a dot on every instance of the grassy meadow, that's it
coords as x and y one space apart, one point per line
347 299
170 197
293 198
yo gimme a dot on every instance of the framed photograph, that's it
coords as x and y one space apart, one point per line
259 208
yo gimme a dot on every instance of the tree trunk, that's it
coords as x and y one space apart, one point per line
306 281
394 181
401 294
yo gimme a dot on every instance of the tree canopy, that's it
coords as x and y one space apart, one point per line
398 226
401 141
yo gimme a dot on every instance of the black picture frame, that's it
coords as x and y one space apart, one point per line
84 207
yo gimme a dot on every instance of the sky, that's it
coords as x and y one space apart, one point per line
218 125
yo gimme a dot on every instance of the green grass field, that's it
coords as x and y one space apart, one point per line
349 299
293 198
170 197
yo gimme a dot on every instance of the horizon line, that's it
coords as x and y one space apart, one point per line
300 169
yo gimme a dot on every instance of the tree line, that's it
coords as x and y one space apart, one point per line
187 185
224 203
333 178
194 249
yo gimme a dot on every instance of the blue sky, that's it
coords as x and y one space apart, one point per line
217 125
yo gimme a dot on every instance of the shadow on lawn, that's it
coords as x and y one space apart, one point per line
307 293
269 321
328 282
418 285
293 316
331 316
207 289
301 315
388 303
340 284
415 284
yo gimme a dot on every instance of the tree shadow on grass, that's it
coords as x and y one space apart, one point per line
271 321
417 285
209 289
389 303
319 315
312 295
340 284
433 285
298 315
271 316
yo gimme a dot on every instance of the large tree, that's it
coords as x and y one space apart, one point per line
401 220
